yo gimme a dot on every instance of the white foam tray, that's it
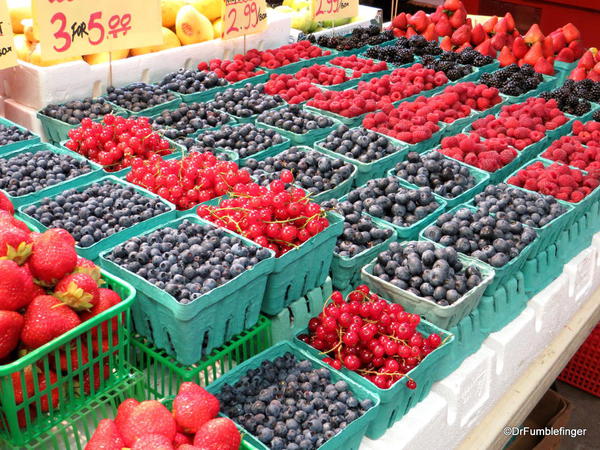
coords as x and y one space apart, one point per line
35 87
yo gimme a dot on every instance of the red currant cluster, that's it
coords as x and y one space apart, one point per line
193 179
370 336
272 216
117 141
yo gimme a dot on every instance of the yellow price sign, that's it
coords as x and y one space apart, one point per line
8 55
334 9
241 17
81 27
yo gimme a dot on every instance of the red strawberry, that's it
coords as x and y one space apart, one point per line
519 48
499 40
181 439
543 66
7 219
566 55
6 204
443 27
587 60
485 48
571 32
69 358
218 433
64 234
558 41
193 407
578 48
547 47
478 35
446 44
461 35
578 74
47 318
44 385
458 18
16 286
154 442
506 57
97 379
124 411
107 298
430 33
78 290
510 21
419 21
149 417
88 267
15 244
452 5
11 324
52 258
106 437
534 54
490 24
188 447
400 21
533 35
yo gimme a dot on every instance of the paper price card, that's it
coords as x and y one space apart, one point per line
8 54
241 17
82 27
334 9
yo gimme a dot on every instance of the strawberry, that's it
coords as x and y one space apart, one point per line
400 21
7 219
446 44
534 54
193 407
490 24
499 40
88 267
578 74
571 32
533 35
97 379
506 57
543 66
458 18
181 439
124 411
64 234
519 48
107 298
16 286
15 244
106 437
558 41
452 5
188 447
547 47
52 258
78 290
154 442
478 35
566 55
149 417
6 204
11 324
510 21
461 35
485 48
69 358
44 386
218 433
578 48
419 21
430 33
443 27
587 60
47 318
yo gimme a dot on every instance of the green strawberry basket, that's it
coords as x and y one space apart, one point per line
95 172
96 354
398 399
34 139
188 332
350 437
373 169
94 250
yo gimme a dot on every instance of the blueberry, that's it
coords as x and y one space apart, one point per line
74 111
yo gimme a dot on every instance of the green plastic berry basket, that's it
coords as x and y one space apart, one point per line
295 317
308 138
57 131
491 67
345 272
76 430
443 316
190 331
163 374
294 67
350 437
302 269
397 400
101 342
411 231
481 177
94 250
95 172
373 169
27 221
502 273
563 70
34 139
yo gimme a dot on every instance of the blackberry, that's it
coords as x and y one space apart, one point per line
596 116
513 80
574 97
392 54
359 37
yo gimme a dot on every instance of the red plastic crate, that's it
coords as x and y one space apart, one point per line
583 371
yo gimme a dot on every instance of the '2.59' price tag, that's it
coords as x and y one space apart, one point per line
334 9
81 27
241 17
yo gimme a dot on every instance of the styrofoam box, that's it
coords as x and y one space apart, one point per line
23 115
36 87
365 13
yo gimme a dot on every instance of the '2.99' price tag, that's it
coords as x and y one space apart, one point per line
334 9
81 27
241 17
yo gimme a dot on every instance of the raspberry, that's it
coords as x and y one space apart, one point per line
566 180
577 196
488 164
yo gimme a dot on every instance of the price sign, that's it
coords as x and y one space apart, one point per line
334 9
241 17
8 54
82 27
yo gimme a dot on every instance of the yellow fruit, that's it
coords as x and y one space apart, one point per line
36 58
23 47
192 27
19 10
170 40
212 9
218 28
99 58
169 10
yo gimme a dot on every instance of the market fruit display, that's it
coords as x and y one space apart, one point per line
273 216
489 154
96 212
300 404
444 176
488 238
359 143
309 169
29 172
205 258
246 139
370 336
137 97
294 119
116 141
386 199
